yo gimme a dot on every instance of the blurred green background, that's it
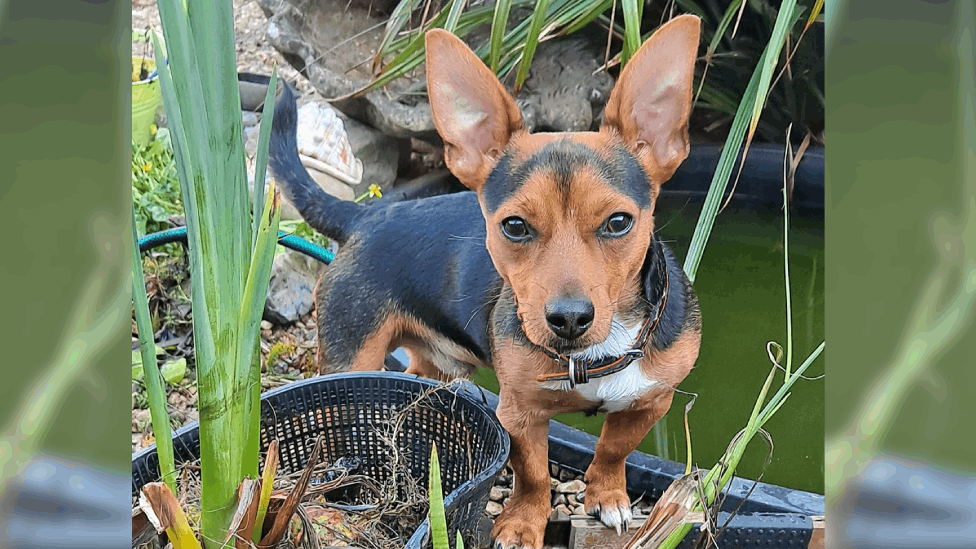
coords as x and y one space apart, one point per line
64 215
893 126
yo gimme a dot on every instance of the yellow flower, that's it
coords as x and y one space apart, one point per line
147 166
375 191
152 129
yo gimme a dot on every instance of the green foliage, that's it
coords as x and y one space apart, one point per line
279 349
155 187
230 252
438 518
301 229
736 36
154 380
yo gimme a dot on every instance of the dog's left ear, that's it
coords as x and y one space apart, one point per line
473 113
651 102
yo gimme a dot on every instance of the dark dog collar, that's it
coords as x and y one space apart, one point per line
580 371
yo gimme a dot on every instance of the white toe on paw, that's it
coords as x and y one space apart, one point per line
616 517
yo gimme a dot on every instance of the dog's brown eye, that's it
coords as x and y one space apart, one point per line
515 229
618 224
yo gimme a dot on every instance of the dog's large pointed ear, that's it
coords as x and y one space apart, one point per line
472 111
651 102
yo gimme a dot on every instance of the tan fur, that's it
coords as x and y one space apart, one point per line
554 267
431 354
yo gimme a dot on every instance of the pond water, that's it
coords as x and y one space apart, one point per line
740 286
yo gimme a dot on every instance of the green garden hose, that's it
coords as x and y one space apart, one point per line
289 241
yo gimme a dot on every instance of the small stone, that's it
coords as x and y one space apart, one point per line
250 118
291 289
561 512
565 476
496 494
553 470
581 496
332 185
558 499
141 420
571 499
578 509
505 492
493 509
265 325
553 483
570 487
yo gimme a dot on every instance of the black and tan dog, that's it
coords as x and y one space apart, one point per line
563 289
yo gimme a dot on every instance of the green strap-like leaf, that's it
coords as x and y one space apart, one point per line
398 18
438 519
498 23
261 164
154 379
537 22
632 39
752 96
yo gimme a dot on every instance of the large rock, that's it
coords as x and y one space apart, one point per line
292 288
564 92
314 138
337 71
379 153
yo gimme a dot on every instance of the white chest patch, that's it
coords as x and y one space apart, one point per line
616 391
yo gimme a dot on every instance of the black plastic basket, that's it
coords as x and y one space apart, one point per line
346 409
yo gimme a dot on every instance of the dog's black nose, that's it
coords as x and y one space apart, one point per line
569 317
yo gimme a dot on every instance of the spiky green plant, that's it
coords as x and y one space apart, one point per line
512 48
230 251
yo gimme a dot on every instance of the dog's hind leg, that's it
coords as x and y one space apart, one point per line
422 363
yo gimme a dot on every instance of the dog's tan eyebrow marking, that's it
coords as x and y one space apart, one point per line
563 159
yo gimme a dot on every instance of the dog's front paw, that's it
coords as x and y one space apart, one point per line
520 527
610 505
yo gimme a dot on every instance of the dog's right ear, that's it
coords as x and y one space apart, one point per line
472 111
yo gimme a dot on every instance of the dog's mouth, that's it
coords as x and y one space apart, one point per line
568 347
564 347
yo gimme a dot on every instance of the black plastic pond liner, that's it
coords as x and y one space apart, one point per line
348 409
772 516
761 182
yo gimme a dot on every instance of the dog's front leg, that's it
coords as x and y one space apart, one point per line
606 484
522 523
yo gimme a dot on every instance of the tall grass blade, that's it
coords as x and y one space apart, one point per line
787 161
498 23
398 18
454 15
537 22
155 387
743 119
716 39
585 15
632 35
784 21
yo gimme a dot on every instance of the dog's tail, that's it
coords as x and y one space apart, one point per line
323 212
